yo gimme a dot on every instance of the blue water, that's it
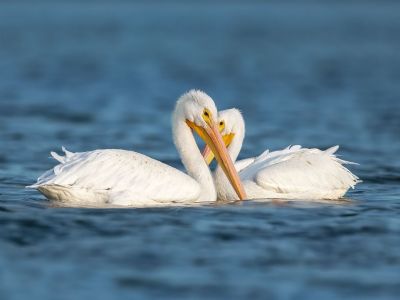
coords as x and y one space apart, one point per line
104 75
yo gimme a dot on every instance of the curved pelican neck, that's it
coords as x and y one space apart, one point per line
236 144
192 159
233 150
221 182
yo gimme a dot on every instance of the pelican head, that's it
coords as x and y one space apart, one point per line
199 112
230 124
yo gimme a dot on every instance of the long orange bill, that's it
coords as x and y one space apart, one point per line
212 137
209 155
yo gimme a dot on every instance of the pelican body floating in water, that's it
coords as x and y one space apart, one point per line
292 173
120 177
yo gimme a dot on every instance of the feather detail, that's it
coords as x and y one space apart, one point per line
57 157
115 177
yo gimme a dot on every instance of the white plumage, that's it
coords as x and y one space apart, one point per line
116 177
292 173
120 177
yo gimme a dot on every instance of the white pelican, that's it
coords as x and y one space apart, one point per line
120 177
292 173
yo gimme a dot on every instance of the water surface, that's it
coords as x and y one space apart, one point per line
107 76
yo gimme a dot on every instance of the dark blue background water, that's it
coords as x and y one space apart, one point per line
103 75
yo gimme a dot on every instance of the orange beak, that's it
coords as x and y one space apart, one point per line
209 155
213 139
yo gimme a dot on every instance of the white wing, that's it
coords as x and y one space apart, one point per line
296 172
118 177
244 163
241 164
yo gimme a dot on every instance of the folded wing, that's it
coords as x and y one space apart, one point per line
124 176
297 170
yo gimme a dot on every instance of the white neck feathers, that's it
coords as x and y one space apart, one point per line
191 157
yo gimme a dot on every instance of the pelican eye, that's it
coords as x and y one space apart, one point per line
221 125
206 115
